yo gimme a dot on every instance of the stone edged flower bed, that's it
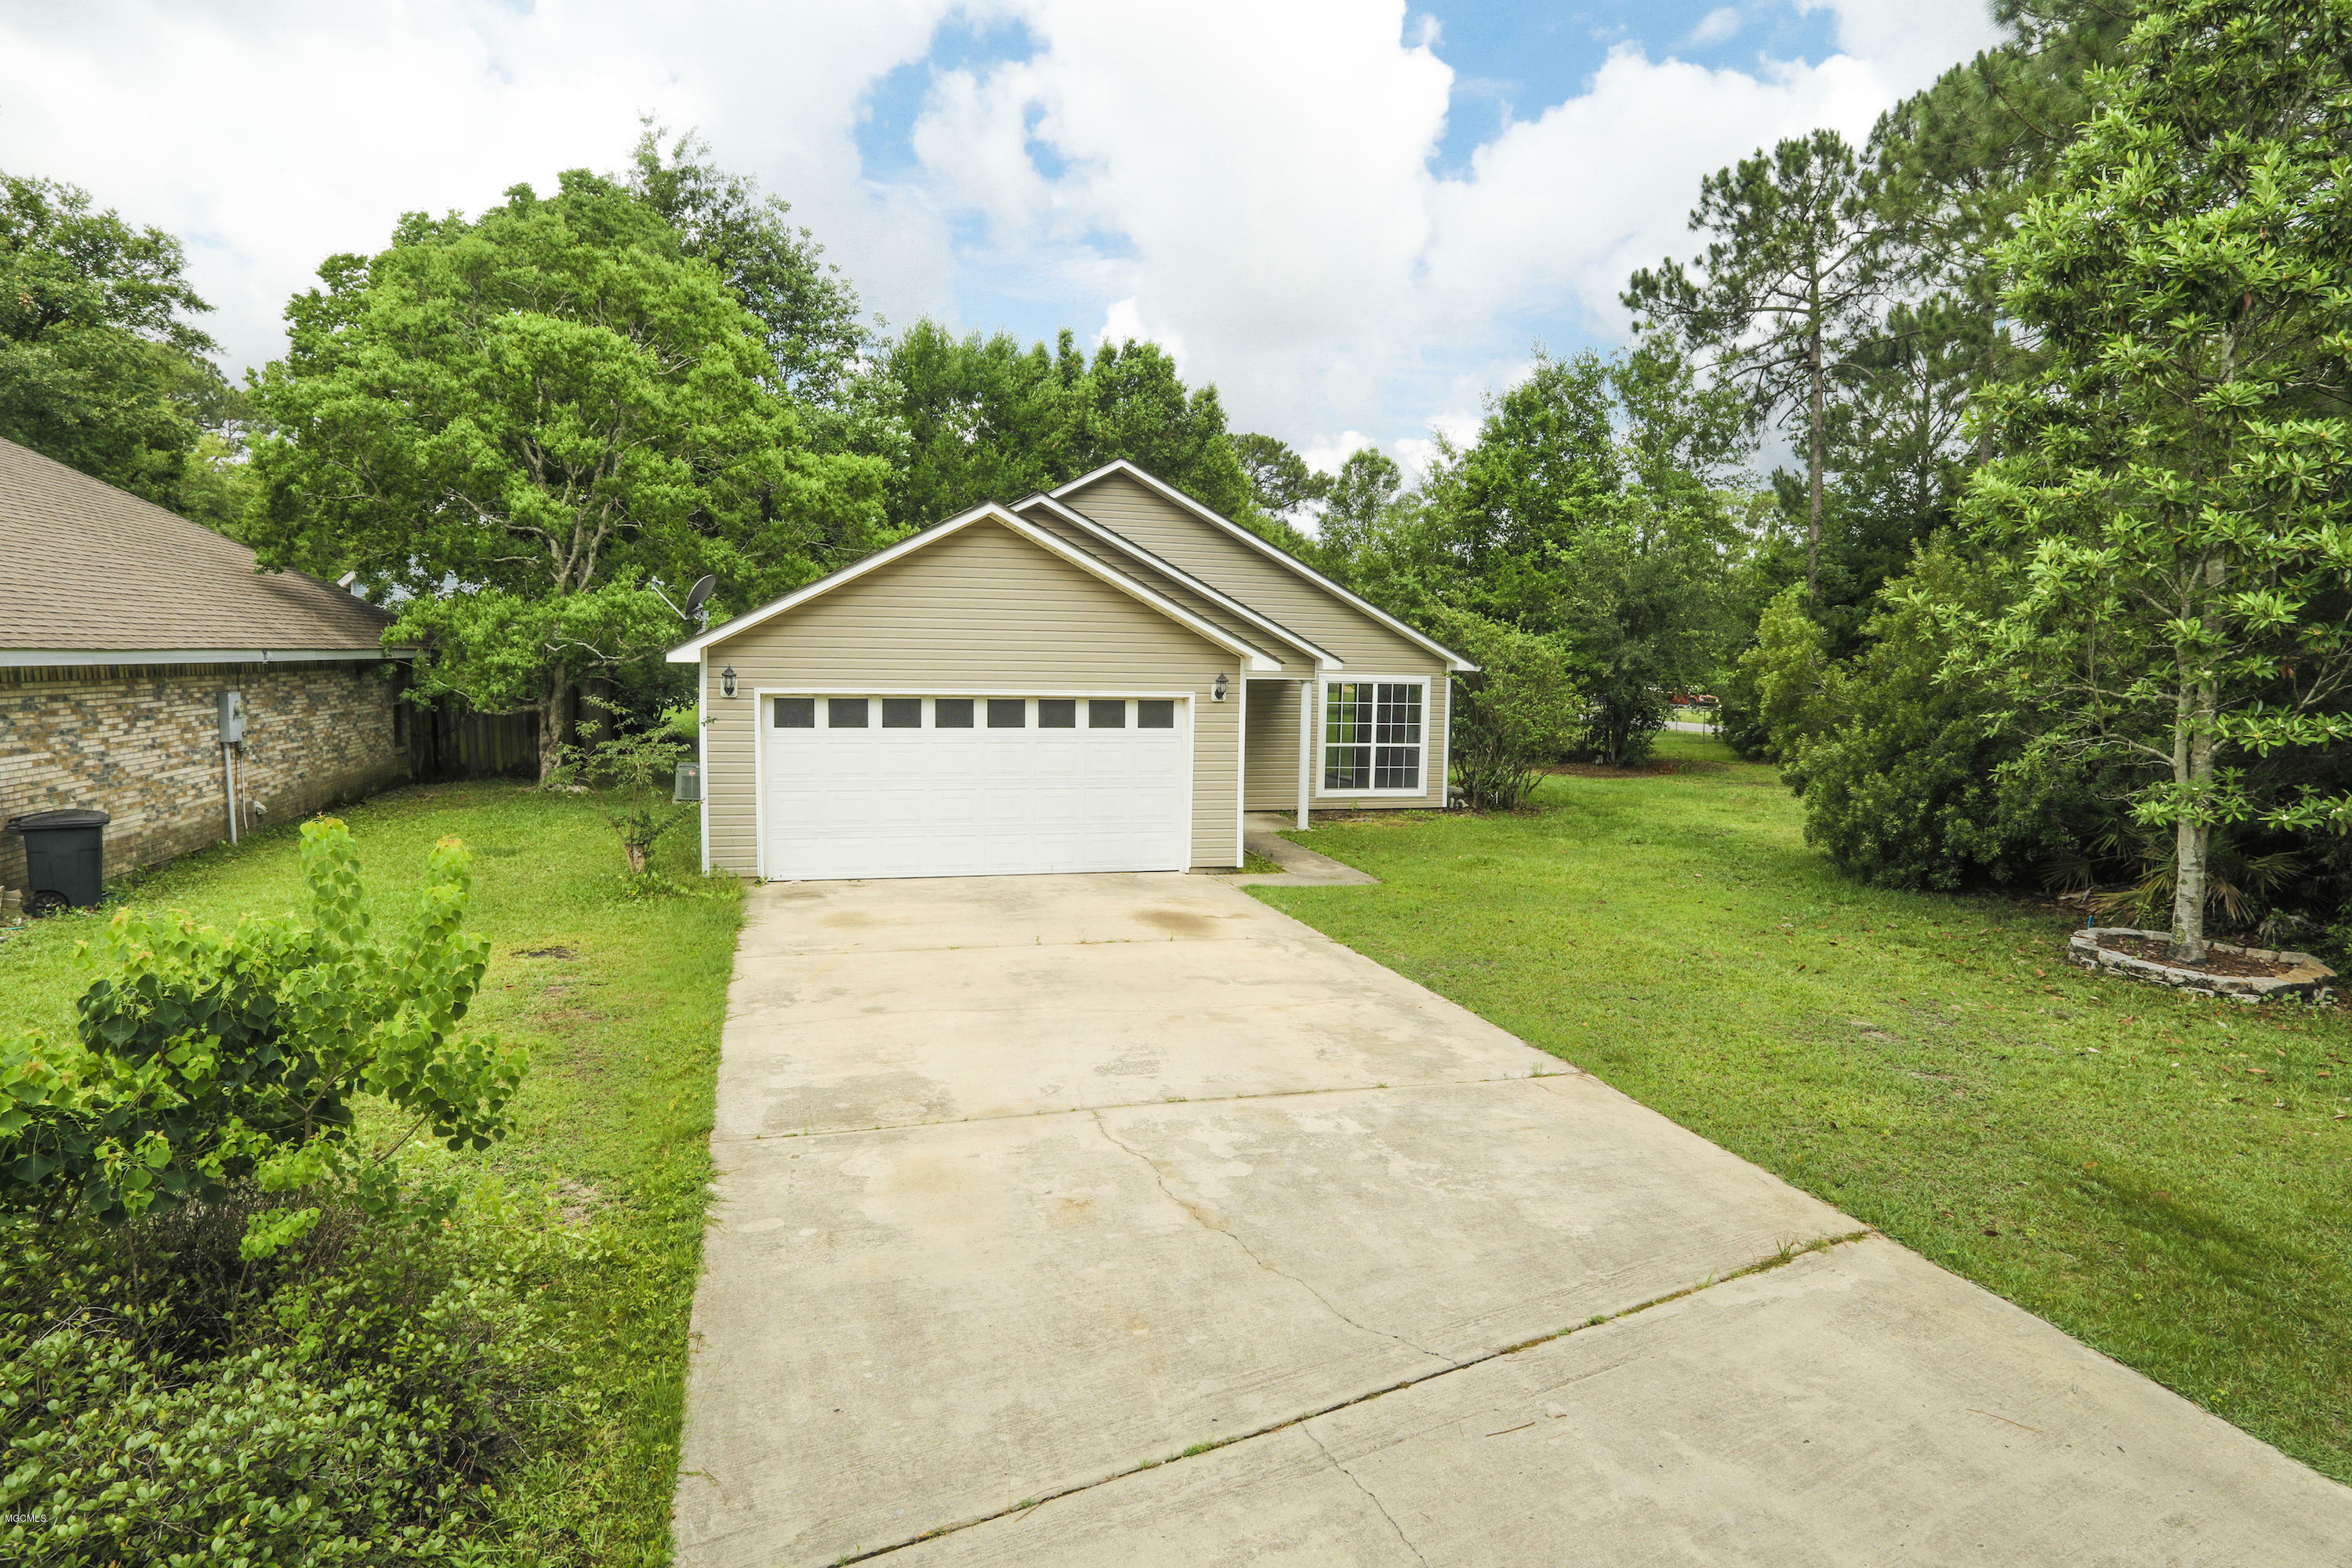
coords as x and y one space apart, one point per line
2263 972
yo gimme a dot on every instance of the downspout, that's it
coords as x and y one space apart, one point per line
228 790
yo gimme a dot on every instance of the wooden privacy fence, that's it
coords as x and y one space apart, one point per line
452 741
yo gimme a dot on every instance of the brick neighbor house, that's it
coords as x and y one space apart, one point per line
121 626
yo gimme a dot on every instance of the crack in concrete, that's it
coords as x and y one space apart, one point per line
719 1138
1786 1255
1160 1177
1370 1495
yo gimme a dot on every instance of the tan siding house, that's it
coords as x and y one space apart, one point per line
1037 688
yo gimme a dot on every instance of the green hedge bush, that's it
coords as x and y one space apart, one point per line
350 1400
1907 780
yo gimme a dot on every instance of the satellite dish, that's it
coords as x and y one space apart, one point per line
698 593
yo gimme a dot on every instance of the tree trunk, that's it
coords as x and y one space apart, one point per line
554 725
636 854
1816 457
2192 767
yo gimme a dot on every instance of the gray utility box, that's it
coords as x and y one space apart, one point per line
232 718
64 858
687 785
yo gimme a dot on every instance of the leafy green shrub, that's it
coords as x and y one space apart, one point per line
170 1401
1520 710
210 1061
635 767
1777 696
1915 786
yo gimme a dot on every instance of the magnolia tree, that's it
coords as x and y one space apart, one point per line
2177 506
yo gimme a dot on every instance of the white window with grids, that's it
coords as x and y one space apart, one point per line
1375 737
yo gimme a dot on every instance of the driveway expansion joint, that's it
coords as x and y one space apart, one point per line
1786 1255
719 1138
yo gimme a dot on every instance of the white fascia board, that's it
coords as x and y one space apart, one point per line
46 658
987 512
1323 658
1160 487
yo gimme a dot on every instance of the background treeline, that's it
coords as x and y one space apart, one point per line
1954 609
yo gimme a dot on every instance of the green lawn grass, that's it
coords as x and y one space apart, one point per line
621 1001
2163 1177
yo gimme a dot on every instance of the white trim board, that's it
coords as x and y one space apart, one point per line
1273 552
1252 658
702 751
1119 541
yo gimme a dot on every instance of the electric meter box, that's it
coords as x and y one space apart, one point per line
232 718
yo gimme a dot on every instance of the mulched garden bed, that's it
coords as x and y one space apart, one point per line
2155 950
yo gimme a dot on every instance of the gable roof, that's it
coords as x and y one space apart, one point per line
1273 552
1120 543
93 575
1251 657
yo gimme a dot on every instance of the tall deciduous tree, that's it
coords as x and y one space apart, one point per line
101 365
987 419
776 267
522 421
2179 489
1589 512
1790 271
1279 479
1354 502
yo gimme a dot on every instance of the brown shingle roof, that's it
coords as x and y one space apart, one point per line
85 567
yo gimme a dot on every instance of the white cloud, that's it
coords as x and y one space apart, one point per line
270 135
1123 323
1910 41
1253 184
1277 204
1325 457
1718 26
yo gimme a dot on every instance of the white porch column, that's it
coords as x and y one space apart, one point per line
1306 748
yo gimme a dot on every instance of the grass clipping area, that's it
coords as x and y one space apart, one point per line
595 1202
2161 1177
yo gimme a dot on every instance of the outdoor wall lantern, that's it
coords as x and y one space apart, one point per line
1217 692
726 680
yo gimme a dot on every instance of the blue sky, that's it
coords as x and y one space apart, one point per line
1355 216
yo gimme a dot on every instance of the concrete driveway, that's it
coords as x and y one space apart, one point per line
1076 1220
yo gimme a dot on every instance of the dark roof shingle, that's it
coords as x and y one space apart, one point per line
85 567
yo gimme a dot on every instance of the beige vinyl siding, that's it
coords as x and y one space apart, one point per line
1278 650
1283 646
1371 651
1270 747
981 607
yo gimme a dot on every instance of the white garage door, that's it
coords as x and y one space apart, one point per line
890 785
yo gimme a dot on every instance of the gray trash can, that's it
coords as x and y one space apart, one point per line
64 858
